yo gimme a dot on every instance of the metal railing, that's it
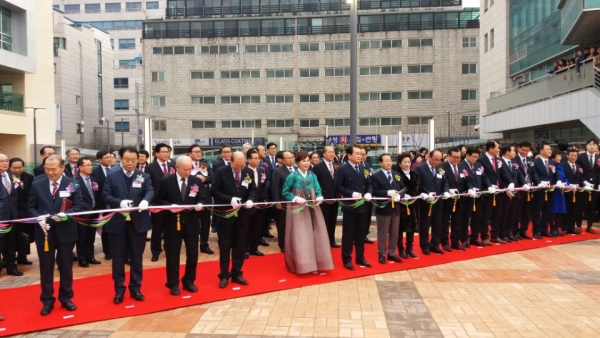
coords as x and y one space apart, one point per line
596 77
11 102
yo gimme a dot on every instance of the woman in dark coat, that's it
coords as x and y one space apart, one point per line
409 222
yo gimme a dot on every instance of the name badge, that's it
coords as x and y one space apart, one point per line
203 172
499 165
136 185
478 173
64 194
245 184
461 175
192 194
438 175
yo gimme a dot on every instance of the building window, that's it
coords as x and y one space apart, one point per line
121 127
491 39
420 42
124 64
202 75
113 7
470 120
222 49
337 97
240 74
469 94
112 43
469 68
158 101
337 122
126 43
203 124
280 98
337 71
78 128
420 69
275 48
241 124
309 47
133 6
174 50
391 44
280 123
203 100
121 104
272 73
485 43
420 95
309 123
309 98
485 5
59 43
337 45
159 125
370 44
380 121
92 8
72 9
469 41
152 5
385 96
240 99
385 70
413 120
77 100
158 76
309 72
121 82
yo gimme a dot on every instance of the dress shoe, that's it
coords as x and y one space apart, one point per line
247 255
403 254
426 252
466 245
486 242
349 266
107 257
137 296
537 236
206 249
446 247
525 236
256 253
458 247
508 239
437 250
47 309
190 287
476 242
412 254
546 234
128 261
335 245
554 233
14 272
578 229
69 306
394 259
517 238
498 240
382 259
263 243
268 235
1 318
83 264
223 283
175 291
24 261
368 240
573 232
363 262
94 261
239 280
118 298
154 258
591 231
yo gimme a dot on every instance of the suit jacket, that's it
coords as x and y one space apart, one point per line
381 185
347 181
544 175
515 174
573 177
39 170
277 181
205 186
437 184
16 206
224 189
218 164
41 203
117 190
533 176
68 170
475 177
497 176
27 180
3 203
89 203
169 193
590 170
326 182
156 173
461 184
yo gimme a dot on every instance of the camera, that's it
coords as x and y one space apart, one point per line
477 128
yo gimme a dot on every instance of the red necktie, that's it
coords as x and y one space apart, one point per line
54 189
494 166
237 179
165 169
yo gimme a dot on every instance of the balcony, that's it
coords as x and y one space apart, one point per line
11 102
580 22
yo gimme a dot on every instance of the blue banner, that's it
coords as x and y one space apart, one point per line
360 139
236 141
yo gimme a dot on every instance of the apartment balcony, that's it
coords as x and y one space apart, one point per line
580 22
11 102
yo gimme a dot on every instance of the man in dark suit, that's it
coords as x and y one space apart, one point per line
26 230
160 168
100 173
71 169
183 188
452 212
353 180
525 198
589 161
256 216
433 183
472 207
233 185
13 209
201 169
367 164
542 200
325 173
387 184
3 203
574 200
124 189
278 179
58 234
92 200
509 219
143 160
44 153
271 156
493 206
224 159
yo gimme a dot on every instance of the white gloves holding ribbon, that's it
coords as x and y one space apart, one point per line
544 184
526 187
367 197
423 196
559 184
446 195
173 210
397 198
126 204
58 217
492 189
44 225
391 193
453 192
236 202
143 205
472 193
319 200
198 207
299 200
248 204
511 187
356 195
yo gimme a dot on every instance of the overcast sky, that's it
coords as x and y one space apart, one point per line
471 3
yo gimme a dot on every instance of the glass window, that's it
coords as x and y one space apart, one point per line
133 6
126 43
158 101
159 125
152 5
469 94
70 9
158 76
121 104
92 8
112 7
307 123
122 82
121 126
309 98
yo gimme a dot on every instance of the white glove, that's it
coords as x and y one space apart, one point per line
407 196
397 198
367 197
423 196
248 204
44 225
174 210
492 190
143 205
319 200
511 187
453 192
431 196
58 217
356 195
472 193
560 184
299 200
235 202
543 184
446 195
126 204
198 207
391 193
526 187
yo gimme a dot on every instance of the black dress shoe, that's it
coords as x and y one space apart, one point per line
268 235
466 245
247 255
403 254
508 239
412 254
69 306
525 236
128 261
368 240
446 247
382 259
335 245
263 243
363 262
256 253
47 309
394 259
83 264
458 247
175 291
14 272
349 266
206 250
118 298
154 258
137 296
24 261
547 234
426 252
239 280
476 243
517 238
107 257
437 250
537 236
591 231
190 287
94 261
223 283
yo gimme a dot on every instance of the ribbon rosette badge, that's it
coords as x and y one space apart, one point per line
366 173
551 168
581 170
247 178
441 171
139 179
531 164
194 189
203 168
172 171
515 166
72 187
336 167
465 173
598 162
397 177
15 180
95 186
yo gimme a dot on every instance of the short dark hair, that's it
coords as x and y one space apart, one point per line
434 151
402 156
542 145
225 146
81 159
69 150
572 150
422 149
270 144
157 148
562 146
473 150
279 154
505 149
490 144
383 155
101 153
145 152
314 153
130 149
350 148
301 155
412 152
251 152
592 140
524 144
191 148
555 153
460 146
453 150
43 150
15 159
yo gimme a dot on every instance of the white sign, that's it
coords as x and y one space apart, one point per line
57 117
409 140
180 142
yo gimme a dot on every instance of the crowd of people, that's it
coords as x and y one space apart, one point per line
437 195
582 55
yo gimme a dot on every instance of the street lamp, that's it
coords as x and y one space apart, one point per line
107 132
353 67
34 131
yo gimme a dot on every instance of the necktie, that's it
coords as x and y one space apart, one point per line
90 190
574 170
433 171
142 167
128 174
455 173
165 172
54 189
356 169
106 171
331 169
272 160
546 165
472 167
255 177
493 160
527 179
237 179
390 178
75 171
291 169
6 183
196 165
183 189
591 160
510 167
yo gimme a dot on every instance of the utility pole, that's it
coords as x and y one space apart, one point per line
353 68
122 137
448 112
137 113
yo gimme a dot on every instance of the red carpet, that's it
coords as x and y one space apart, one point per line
93 295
